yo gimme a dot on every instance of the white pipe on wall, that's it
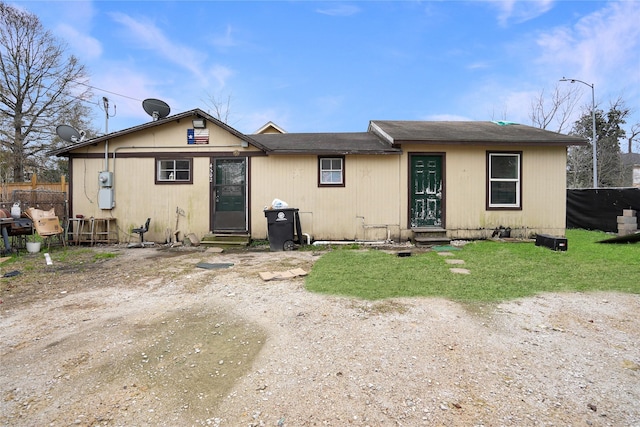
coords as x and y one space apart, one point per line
349 242
308 236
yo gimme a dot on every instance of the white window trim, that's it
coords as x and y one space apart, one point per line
517 180
341 170
172 178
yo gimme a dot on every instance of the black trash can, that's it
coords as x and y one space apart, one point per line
281 225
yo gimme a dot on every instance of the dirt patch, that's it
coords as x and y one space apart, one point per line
148 338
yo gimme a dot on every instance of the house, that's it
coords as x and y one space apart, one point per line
631 169
270 127
399 180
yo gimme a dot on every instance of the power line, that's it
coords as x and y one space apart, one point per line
47 88
108 91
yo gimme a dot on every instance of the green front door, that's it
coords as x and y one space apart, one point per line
426 191
229 194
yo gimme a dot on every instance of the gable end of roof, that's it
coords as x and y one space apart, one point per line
177 117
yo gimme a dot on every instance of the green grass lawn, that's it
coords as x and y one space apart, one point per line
499 271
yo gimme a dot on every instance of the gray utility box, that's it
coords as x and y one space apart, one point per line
552 242
105 198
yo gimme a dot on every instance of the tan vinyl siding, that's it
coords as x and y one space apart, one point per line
168 137
137 196
543 197
364 209
371 206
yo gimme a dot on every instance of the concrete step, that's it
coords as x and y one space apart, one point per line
223 243
431 241
428 229
226 240
428 236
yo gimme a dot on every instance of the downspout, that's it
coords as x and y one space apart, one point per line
105 103
350 242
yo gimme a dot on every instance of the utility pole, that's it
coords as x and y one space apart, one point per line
593 124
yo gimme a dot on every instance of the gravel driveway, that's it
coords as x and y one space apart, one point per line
150 339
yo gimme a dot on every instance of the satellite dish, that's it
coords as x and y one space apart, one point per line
70 134
156 108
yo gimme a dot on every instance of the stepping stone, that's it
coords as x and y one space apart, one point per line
459 270
446 248
289 274
212 266
454 261
445 253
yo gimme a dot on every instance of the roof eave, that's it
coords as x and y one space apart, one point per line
191 113
489 142
334 152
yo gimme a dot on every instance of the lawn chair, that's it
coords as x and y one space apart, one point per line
141 230
47 225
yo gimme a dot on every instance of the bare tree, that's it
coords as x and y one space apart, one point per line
633 136
218 108
554 109
41 84
609 133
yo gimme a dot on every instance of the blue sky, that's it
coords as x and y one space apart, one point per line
334 66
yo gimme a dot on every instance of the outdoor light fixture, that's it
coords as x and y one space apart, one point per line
199 123
593 119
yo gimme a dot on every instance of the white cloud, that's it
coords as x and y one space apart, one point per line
340 10
149 36
83 45
520 11
221 74
518 106
71 22
225 40
129 87
601 48
478 65
498 100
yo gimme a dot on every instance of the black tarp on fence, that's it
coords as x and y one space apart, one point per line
599 208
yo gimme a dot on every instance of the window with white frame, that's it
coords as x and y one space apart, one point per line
174 171
331 171
504 181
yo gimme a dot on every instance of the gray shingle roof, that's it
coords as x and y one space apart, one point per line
325 143
459 132
382 137
386 137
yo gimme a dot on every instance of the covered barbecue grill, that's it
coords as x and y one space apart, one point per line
14 227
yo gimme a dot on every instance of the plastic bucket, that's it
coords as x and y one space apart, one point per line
33 247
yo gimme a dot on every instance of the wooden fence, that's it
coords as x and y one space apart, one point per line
7 188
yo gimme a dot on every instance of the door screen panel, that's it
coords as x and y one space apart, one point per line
230 195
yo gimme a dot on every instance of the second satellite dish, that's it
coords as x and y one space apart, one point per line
156 108
70 134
